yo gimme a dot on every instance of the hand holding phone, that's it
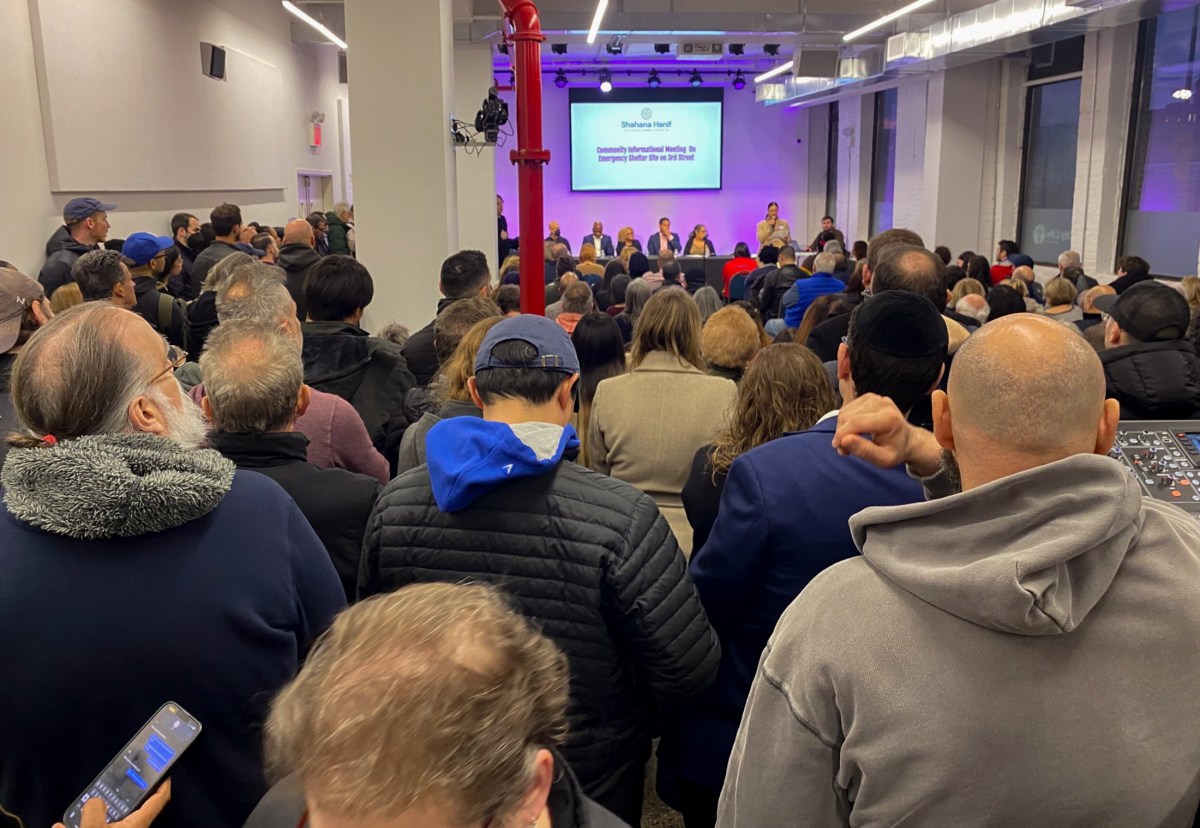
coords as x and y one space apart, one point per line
94 811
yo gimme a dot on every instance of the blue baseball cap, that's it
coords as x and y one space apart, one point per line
140 248
555 351
78 209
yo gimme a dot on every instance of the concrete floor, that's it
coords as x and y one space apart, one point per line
655 814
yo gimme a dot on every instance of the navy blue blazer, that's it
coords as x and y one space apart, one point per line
652 244
606 245
783 519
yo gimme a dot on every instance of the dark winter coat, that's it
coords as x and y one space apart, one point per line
61 252
1154 380
296 259
775 285
337 235
419 352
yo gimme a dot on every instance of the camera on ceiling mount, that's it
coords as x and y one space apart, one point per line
491 117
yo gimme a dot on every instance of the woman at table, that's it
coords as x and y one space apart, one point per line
625 239
742 262
698 243
773 228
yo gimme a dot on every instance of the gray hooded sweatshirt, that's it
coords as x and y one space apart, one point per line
1023 654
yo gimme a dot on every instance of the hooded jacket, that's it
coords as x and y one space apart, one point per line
368 372
1154 380
337 234
419 351
1023 653
588 558
61 252
136 572
296 259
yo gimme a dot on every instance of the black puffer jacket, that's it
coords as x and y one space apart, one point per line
296 259
1154 380
592 561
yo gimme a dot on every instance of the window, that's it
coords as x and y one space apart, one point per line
883 168
832 169
1162 209
1048 177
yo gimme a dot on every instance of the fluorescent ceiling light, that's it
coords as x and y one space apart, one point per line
887 18
330 36
601 5
1182 94
778 70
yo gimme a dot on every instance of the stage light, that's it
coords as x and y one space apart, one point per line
771 49
502 47
778 70
1182 94
560 79
316 24
887 18
662 48
695 79
558 48
737 48
613 47
654 81
605 80
601 5
739 80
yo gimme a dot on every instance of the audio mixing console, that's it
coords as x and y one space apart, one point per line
1164 456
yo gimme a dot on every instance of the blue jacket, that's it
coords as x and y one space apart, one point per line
215 614
805 291
606 245
783 520
652 244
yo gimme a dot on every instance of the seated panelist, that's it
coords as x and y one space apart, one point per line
698 243
664 239
598 240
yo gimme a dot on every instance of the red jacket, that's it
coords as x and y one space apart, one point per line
733 267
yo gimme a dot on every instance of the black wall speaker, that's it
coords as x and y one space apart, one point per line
212 61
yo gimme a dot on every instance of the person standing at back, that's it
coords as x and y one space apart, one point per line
296 256
1029 649
227 225
183 227
85 227
463 275
646 425
340 224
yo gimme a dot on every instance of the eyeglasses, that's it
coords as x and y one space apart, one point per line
175 356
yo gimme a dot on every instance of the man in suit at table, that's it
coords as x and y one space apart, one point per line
664 239
602 243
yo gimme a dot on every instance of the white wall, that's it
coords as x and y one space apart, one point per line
257 28
476 166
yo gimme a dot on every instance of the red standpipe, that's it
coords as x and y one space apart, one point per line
529 156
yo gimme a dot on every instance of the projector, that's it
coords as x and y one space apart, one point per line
699 50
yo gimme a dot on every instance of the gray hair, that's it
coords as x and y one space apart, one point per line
219 272
825 262
577 298
708 301
96 273
76 376
341 207
1069 258
834 246
636 296
254 292
252 377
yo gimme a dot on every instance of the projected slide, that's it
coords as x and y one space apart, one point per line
645 139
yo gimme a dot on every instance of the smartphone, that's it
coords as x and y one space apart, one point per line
135 772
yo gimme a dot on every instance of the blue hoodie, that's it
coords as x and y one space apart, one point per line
468 457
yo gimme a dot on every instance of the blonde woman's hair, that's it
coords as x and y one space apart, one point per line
670 322
730 339
587 253
1189 285
437 694
784 389
1018 285
67 296
452 387
966 287
625 234
1060 291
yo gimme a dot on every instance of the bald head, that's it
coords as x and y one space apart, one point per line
1009 412
298 231
1024 273
1090 297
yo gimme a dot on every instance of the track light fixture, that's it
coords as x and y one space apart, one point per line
737 48
560 79
739 80
771 49
654 81
605 80
558 48
695 79
662 48
614 47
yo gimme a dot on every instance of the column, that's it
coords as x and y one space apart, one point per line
476 166
405 190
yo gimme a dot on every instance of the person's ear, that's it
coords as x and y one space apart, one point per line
303 400
867 275
949 298
566 399
943 428
1112 333
146 417
41 311
474 391
535 799
206 408
843 362
1106 429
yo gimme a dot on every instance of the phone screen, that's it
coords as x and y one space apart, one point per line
133 774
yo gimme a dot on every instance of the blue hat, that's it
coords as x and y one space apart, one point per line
555 352
78 209
140 248
1020 260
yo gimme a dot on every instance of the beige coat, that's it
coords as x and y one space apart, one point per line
647 425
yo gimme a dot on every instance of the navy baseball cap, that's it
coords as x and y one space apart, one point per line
140 248
1148 311
555 352
78 209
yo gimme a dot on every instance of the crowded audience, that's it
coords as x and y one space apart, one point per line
564 537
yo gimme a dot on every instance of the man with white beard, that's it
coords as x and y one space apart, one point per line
139 569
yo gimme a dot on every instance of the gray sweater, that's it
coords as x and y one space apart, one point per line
1024 653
